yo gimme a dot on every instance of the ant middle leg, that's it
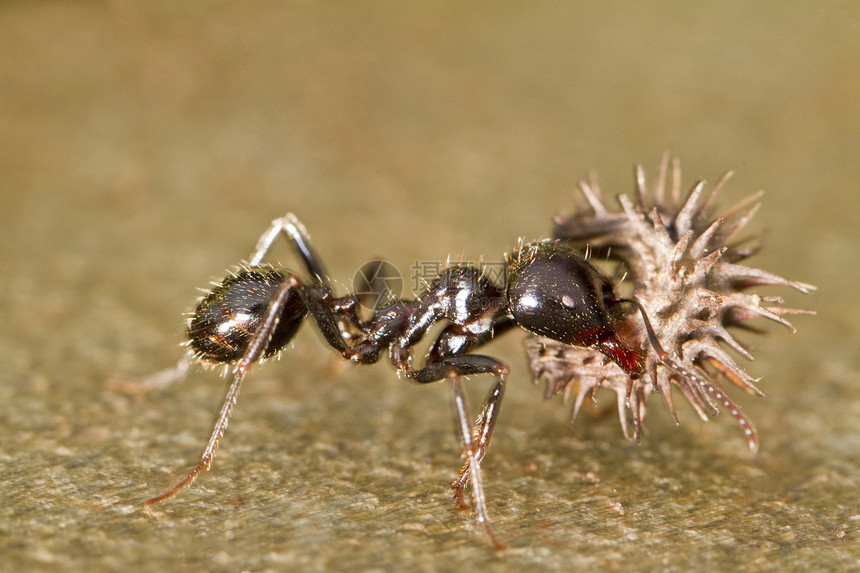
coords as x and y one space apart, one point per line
475 438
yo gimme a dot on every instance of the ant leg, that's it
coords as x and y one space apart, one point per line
324 310
477 439
473 458
296 232
337 318
705 385
158 380
256 346
338 313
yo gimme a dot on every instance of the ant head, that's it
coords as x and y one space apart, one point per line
553 292
227 317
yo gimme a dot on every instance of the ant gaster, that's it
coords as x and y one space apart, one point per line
550 291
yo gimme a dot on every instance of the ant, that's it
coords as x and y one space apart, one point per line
549 290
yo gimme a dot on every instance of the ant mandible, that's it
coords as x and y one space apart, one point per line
549 290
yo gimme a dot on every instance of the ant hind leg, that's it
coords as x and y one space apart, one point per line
158 380
301 240
255 349
337 317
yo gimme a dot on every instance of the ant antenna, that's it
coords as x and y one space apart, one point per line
704 385
652 337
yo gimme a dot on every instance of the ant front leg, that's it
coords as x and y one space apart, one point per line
475 439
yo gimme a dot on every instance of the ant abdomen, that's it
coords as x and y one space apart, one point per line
225 320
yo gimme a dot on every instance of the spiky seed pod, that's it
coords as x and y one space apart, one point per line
684 268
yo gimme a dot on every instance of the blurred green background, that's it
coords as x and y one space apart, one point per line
145 146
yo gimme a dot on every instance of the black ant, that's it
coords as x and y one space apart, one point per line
550 290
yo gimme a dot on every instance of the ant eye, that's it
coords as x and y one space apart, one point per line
227 317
